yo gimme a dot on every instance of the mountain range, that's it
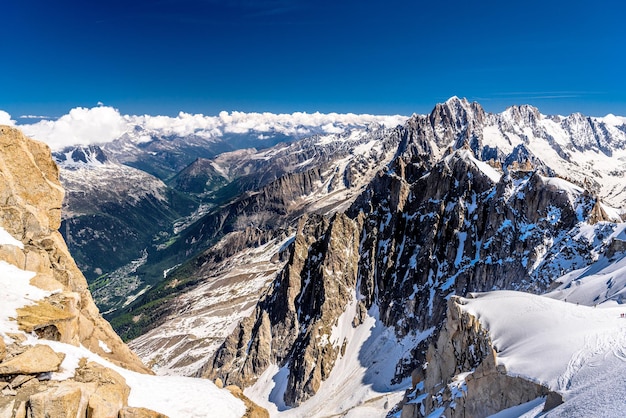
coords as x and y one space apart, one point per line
345 272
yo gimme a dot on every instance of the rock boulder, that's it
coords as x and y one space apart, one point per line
37 359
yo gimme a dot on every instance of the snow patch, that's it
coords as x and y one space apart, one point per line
546 340
104 346
8 239
360 382
15 292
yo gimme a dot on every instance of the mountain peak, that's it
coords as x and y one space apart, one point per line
523 114
81 155
455 104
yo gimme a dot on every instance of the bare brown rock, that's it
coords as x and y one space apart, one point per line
13 409
111 393
20 411
463 346
65 401
252 410
3 349
20 380
37 359
6 411
597 214
55 318
133 412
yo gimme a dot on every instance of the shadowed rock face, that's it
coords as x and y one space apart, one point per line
30 210
297 311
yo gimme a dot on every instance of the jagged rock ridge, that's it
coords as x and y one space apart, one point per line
450 215
466 201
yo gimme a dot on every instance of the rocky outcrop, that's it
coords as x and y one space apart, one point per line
131 412
30 210
297 312
462 377
598 214
252 409
95 392
35 360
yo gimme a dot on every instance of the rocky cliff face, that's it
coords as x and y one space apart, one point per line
461 376
293 322
58 356
30 210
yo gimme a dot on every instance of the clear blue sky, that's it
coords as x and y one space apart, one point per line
366 56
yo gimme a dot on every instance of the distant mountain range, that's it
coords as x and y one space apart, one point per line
328 261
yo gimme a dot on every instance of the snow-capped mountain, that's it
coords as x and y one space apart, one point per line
322 174
327 263
468 201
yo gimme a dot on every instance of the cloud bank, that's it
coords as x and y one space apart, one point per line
103 124
5 119
80 126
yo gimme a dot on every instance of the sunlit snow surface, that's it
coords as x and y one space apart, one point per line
603 280
7 239
176 397
212 310
15 292
577 350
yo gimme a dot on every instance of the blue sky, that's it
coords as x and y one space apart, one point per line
368 56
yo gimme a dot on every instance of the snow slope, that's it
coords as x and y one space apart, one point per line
577 350
209 313
7 239
603 280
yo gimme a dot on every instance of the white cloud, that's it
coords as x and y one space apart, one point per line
34 117
103 124
80 126
5 119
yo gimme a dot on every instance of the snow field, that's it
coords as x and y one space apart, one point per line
577 350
